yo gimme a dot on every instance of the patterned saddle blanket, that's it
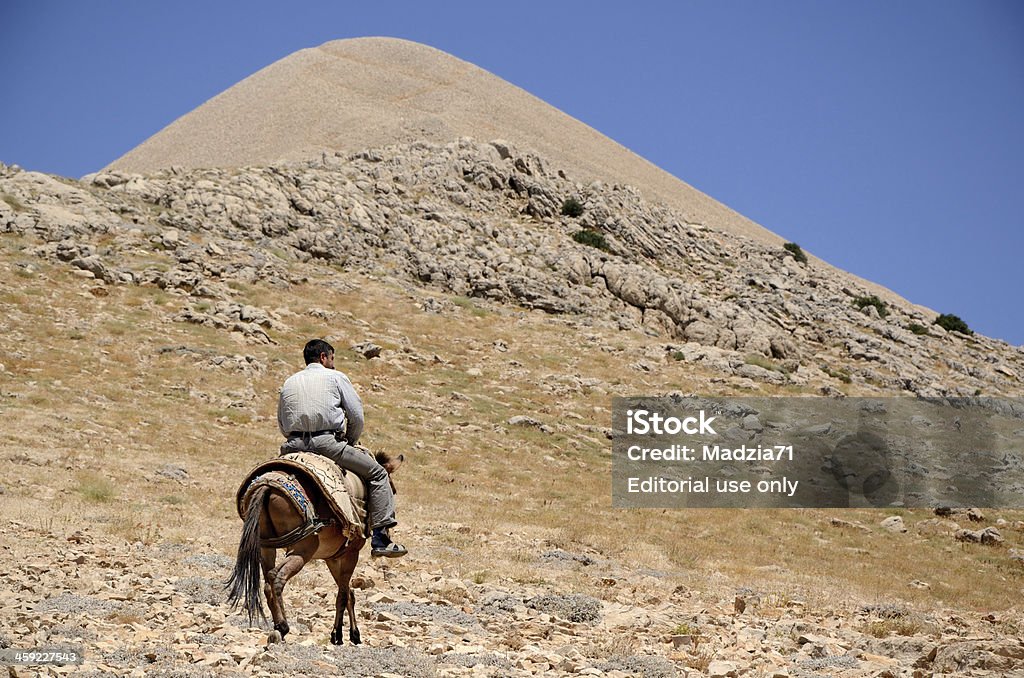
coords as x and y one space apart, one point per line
345 492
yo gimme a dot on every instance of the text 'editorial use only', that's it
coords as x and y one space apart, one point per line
690 451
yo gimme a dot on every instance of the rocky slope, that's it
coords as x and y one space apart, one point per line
158 610
485 220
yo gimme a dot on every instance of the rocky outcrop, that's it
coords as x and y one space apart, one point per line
484 220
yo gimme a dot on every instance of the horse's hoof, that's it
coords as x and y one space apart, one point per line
353 635
335 638
282 628
275 637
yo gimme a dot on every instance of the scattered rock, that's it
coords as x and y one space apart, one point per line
847 525
173 472
443 614
722 669
367 349
894 524
936 526
638 665
751 422
523 420
201 589
989 535
79 537
558 555
213 561
682 641
972 514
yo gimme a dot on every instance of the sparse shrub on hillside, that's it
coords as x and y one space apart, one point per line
686 629
796 251
864 302
574 607
469 305
908 625
952 323
919 330
649 666
591 238
571 207
841 375
96 488
764 363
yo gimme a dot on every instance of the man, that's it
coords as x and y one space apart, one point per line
319 412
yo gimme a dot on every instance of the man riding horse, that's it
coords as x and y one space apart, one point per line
319 411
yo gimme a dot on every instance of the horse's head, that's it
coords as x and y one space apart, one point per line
390 462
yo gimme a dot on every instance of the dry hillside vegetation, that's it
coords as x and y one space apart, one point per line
149 320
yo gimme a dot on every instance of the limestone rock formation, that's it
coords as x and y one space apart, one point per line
483 219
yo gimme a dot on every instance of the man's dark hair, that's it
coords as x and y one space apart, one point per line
314 347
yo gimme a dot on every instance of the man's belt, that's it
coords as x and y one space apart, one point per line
312 434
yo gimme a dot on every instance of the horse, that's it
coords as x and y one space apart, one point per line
271 521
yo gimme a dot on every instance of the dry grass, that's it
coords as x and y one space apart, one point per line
113 408
700 660
96 488
13 201
615 646
883 628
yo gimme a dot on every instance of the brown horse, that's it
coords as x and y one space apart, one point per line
271 516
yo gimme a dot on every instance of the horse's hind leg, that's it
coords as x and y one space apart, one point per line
268 559
341 569
294 560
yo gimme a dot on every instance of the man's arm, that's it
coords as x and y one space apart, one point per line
280 414
353 408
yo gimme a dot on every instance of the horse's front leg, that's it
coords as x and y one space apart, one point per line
353 631
341 569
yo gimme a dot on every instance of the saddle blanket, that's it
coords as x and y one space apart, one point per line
345 492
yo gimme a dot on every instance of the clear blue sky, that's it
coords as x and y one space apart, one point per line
885 137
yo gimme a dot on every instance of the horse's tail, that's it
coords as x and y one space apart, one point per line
244 583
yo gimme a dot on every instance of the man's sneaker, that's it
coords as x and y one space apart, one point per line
381 545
